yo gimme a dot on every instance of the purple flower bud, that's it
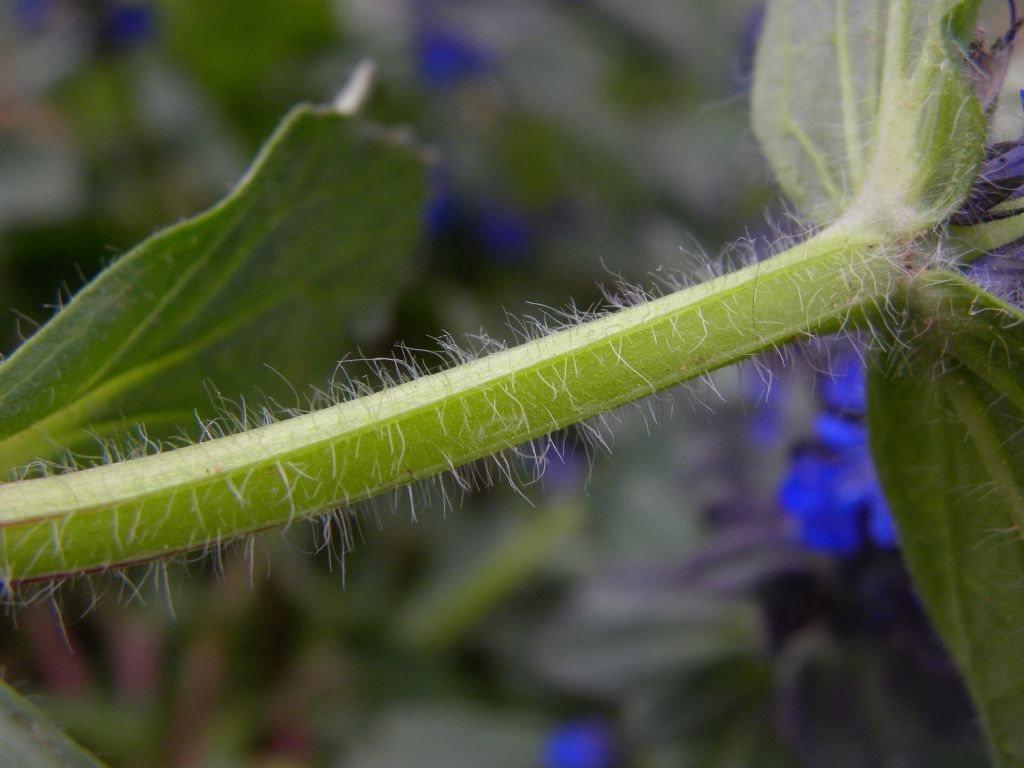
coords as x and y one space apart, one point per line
1001 178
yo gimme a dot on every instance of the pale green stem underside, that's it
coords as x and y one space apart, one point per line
211 492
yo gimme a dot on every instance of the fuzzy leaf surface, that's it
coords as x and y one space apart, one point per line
946 435
205 494
862 109
29 740
261 289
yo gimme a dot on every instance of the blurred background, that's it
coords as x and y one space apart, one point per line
723 588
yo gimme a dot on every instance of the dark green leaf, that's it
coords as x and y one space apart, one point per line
264 288
29 740
946 436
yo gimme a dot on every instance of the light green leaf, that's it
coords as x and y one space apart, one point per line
862 109
946 434
29 740
263 288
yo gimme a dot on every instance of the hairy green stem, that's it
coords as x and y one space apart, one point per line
211 492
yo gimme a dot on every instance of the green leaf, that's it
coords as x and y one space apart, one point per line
862 109
262 289
945 433
29 740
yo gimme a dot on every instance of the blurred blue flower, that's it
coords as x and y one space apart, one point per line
444 59
831 490
881 526
840 433
501 231
843 389
126 24
564 469
580 744
504 231
31 15
768 396
442 211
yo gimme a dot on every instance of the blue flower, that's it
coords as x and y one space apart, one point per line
839 433
831 490
444 59
766 423
580 744
32 15
125 24
504 231
843 390
563 468
442 211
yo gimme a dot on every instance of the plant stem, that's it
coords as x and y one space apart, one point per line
211 492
